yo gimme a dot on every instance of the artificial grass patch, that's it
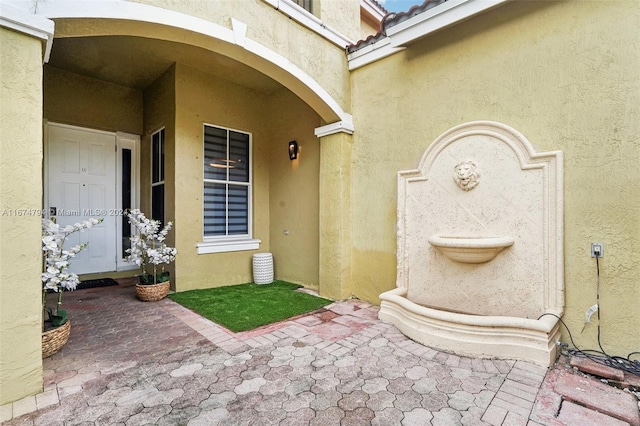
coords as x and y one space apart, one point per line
247 306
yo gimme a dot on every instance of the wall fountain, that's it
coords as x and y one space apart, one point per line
480 246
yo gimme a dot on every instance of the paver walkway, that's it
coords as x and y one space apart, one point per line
134 363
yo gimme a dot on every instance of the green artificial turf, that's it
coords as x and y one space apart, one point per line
248 306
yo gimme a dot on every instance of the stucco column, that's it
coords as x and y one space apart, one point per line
21 56
335 215
20 204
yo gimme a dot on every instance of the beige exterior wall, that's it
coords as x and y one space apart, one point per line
202 98
368 28
159 112
324 61
86 102
568 82
20 222
343 16
293 189
285 193
336 169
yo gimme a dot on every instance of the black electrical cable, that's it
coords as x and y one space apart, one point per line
601 356
598 300
626 364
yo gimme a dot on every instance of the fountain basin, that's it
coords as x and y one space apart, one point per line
470 249
478 336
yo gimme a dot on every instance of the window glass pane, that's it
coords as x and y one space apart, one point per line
157 202
215 153
306 4
226 160
161 155
126 197
239 156
126 179
215 209
238 206
155 157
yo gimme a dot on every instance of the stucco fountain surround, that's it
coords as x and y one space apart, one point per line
480 246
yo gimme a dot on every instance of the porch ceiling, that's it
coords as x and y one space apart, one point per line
137 62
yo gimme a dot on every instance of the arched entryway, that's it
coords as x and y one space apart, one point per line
142 70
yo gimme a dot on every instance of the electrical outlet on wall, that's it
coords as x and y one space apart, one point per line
597 250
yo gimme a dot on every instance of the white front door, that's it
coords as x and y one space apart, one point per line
81 179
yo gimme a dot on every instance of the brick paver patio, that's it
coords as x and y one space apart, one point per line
136 363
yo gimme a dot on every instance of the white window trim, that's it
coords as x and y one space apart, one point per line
229 243
432 20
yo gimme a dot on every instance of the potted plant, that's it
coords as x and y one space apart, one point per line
150 252
56 326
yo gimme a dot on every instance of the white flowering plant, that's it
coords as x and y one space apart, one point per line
55 275
149 249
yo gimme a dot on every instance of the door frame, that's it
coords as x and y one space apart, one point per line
123 141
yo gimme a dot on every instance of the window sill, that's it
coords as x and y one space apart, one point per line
224 246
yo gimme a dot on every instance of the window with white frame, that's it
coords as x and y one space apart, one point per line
157 175
305 4
226 191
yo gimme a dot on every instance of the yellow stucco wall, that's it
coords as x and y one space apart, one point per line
285 193
86 102
203 98
159 112
324 61
20 204
566 75
367 28
336 169
293 189
343 16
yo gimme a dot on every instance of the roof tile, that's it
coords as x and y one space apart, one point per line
392 19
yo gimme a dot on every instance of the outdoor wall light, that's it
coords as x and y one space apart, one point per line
293 150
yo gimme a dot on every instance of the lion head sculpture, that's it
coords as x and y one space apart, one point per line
466 174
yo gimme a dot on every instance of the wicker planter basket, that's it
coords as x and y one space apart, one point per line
54 340
152 292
